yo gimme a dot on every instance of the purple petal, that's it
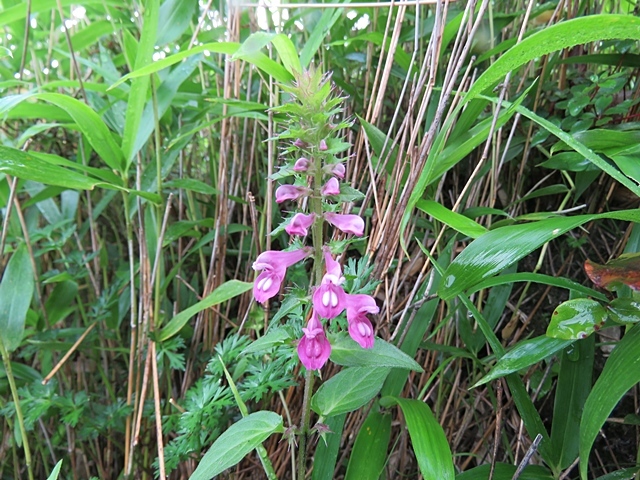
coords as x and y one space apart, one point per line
329 300
314 349
338 170
360 304
301 165
267 285
279 260
346 223
332 187
361 331
299 224
334 270
289 192
323 145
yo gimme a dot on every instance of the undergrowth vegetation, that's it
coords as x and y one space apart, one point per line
496 148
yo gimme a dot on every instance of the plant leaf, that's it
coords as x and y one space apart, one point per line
620 374
224 292
429 441
236 442
575 319
347 391
16 291
346 352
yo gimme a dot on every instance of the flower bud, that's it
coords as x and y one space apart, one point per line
338 170
332 187
299 143
323 145
290 192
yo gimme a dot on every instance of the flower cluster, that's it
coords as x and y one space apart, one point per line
318 179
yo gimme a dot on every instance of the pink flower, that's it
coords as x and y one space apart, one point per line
346 223
360 327
323 145
338 170
329 299
299 224
290 192
301 165
332 187
314 349
299 143
273 265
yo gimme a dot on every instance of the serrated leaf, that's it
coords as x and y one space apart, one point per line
346 352
236 442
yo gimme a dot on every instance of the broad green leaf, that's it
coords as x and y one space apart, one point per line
60 303
620 374
16 289
523 355
624 310
428 439
175 17
349 390
288 53
575 319
505 471
236 442
499 248
326 454
369 454
89 123
572 389
226 291
346 352
458 222
26 166
139 87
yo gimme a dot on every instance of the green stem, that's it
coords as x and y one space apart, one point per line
16 401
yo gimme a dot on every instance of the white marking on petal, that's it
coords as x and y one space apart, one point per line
364 329
265 284
326 298
334 299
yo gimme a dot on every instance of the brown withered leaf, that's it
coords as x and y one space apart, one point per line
624 270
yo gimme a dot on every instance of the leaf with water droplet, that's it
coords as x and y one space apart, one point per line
576 319
624 310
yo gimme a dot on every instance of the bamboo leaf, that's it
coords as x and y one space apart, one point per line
16 289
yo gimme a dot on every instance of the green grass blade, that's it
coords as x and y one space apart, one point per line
369 453
326 455
140 86
500 248
620 374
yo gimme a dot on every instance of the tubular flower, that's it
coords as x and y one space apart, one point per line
301 165
290 192
273 266
346 223
299 224
323 145
314 348
329 299
338 170
360 327
332 187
